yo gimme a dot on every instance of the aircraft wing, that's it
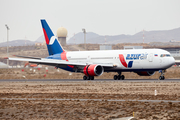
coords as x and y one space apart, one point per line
27 57
54 62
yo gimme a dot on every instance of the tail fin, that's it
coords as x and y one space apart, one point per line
53 45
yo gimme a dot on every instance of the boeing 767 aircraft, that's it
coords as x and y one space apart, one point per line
144 62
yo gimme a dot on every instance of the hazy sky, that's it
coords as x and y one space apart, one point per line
104 17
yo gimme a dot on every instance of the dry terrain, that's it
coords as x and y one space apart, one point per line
89 100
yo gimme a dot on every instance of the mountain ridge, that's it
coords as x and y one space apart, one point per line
149 36
94 38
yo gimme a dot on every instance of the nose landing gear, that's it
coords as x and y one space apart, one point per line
161 77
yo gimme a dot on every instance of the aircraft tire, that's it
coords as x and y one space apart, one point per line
84 77
119 77
122 77
161 77
91 77
115 77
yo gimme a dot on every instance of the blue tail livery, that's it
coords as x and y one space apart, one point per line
53 44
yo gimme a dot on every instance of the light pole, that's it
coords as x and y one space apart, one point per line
84 31
7 45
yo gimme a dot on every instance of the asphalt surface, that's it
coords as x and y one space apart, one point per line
80 80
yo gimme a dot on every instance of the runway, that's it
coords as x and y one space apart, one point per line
110 100
80 80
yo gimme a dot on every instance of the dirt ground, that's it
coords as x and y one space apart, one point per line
38 105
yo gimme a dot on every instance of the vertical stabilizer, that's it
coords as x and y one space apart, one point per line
53 45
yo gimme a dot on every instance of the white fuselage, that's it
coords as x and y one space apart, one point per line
141 59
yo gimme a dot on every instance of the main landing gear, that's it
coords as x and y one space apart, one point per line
88 77
162 75
119 77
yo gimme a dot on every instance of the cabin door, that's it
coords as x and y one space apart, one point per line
150 57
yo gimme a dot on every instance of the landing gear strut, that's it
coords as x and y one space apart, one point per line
88 77
119 77
162 75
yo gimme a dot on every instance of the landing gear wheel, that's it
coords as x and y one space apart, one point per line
162 74
88 77
161 77
119 77
115 77
91 77
122 77
84 77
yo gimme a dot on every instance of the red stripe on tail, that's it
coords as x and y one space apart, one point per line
46 37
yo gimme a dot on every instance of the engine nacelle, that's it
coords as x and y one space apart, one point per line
146 73
93 70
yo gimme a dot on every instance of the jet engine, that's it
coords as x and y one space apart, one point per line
93 70
146 73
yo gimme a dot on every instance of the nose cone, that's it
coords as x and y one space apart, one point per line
172 61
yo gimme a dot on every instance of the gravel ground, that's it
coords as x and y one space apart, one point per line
86 110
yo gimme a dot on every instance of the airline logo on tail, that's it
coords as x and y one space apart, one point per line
53 38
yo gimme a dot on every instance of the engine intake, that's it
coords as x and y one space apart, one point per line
146 73
93 70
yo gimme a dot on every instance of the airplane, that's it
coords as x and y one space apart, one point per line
144 62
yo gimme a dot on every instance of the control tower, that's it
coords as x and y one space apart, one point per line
62 34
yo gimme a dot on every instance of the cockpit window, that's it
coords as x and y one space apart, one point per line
165 55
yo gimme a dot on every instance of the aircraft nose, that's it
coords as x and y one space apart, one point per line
172 61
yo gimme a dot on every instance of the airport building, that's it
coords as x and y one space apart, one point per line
133 47
62 34
105 47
